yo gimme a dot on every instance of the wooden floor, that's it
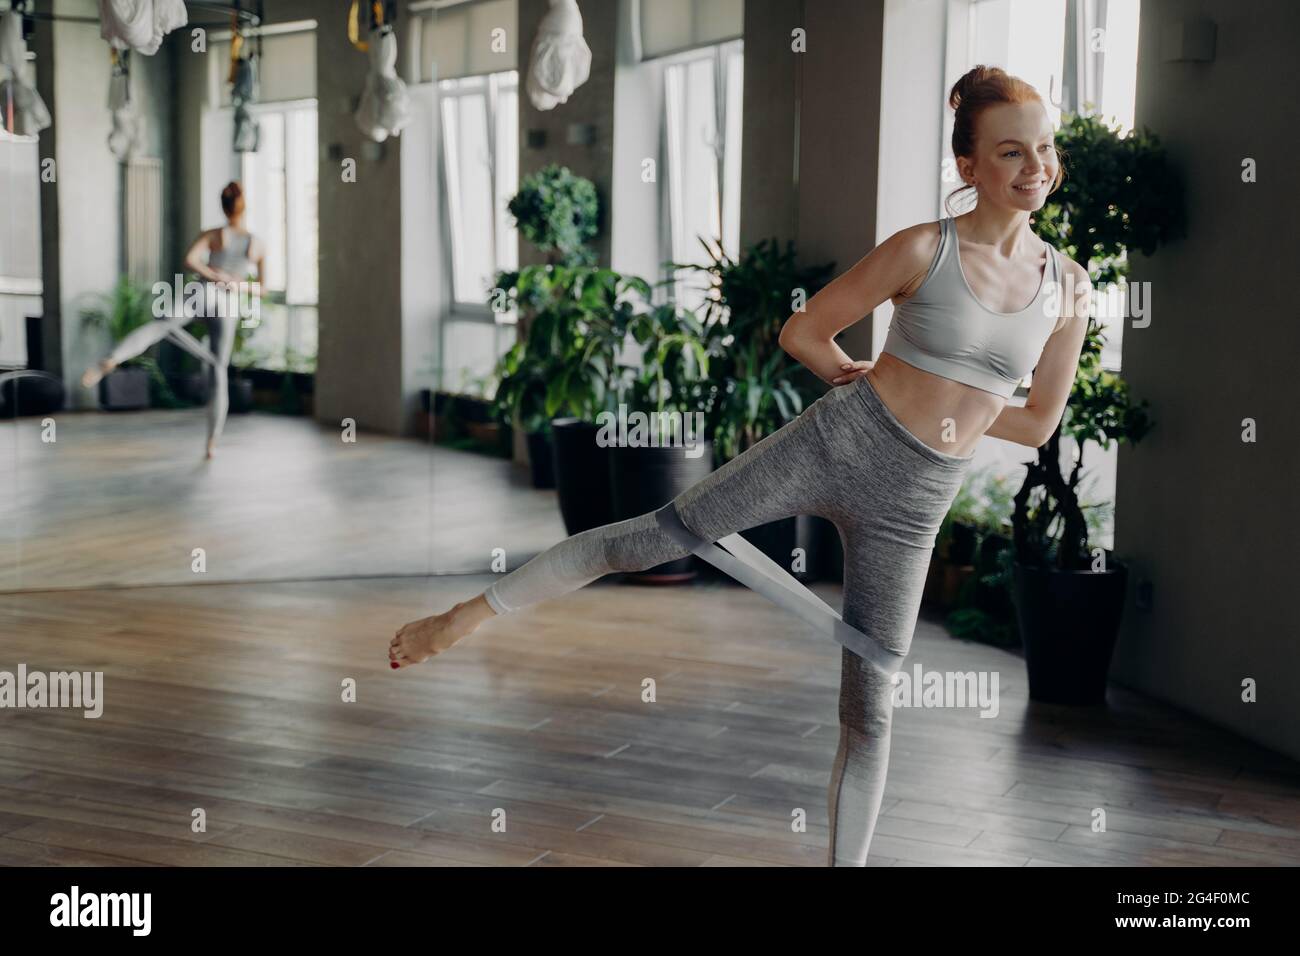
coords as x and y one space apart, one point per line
228 698
125 498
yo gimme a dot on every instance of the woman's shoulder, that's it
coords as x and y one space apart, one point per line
918 243
912 250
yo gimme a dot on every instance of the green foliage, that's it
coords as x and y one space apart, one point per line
558 212
576 318
120 311
752 389
1119 192
675 363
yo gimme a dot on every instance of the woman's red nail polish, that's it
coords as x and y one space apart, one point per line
393 664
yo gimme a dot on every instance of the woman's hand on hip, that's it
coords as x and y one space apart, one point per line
852 371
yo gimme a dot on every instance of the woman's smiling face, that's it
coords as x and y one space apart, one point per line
1015 161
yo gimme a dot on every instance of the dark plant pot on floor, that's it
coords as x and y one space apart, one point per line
30 392
645 479
581 475
124 389
778 540
1069 621
541 459
193 387
241 395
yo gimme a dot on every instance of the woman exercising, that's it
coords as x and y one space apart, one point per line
224 257
979 301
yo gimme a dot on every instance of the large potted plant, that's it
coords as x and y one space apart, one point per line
565 373
754 387
558 212
1120 194
665 451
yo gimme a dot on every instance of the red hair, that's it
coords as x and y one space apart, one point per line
980 88
232 199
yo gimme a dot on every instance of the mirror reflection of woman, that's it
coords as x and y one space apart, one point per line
225 256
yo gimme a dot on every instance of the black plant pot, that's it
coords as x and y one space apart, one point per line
961 544
1069 621
581 475
644 479
30 392
541 459
124 389
778 540
241 395
194 387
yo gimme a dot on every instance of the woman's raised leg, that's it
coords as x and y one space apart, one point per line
784 474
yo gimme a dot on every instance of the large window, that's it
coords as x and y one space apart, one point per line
1082 54
280 195
480 162
702 113
20 244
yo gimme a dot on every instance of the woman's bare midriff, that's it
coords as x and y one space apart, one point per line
922 401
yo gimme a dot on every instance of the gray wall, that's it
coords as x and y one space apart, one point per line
812 132
360 372
81 247
1208 519
592 103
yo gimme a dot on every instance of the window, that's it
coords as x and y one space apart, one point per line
702 126
480 161
20 245
1083 55
280 196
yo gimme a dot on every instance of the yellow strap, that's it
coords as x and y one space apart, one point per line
354 28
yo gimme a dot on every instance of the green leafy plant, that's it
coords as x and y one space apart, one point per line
119 312
1119 193
567 362
674 368
557 211
754 386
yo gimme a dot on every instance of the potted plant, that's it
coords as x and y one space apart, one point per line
754 387
665 387
119 312
585 333
558 212
1120 193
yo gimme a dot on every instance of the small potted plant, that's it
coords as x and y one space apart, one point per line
119 312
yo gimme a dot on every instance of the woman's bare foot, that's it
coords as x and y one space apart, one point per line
96 372
422 639
212 448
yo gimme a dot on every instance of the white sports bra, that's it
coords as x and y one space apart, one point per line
942 328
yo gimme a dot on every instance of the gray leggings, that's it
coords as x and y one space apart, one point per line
221 336
847 458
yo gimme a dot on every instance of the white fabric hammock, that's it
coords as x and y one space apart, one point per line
560 61
140 25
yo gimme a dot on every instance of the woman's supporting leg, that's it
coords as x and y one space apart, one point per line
221 337
887 549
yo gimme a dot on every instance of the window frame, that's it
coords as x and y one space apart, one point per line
720 55
284 107
491 88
